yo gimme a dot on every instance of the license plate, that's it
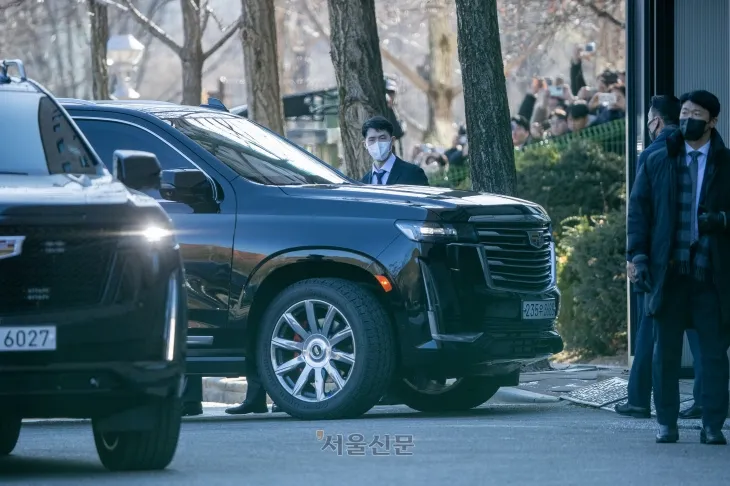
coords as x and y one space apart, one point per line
28 338
542 309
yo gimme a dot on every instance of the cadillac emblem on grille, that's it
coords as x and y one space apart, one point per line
11 246
535 238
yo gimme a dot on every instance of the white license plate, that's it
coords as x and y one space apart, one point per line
541 309
28 338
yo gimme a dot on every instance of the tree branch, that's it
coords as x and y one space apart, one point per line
601 13
315 21
229 33
407 72
401 66
11 4
206 10
152 27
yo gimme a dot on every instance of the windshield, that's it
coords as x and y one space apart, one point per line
255 153
44 141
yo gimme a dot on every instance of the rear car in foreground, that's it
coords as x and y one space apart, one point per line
92 304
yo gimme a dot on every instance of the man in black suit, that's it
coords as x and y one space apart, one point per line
388 169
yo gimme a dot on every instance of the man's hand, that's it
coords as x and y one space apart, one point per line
711 222
642 277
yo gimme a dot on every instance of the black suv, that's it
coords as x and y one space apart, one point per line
338 292
92 302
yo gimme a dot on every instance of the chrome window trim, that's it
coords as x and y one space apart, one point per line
124 122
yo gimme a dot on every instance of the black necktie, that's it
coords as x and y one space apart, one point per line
694 173
379 174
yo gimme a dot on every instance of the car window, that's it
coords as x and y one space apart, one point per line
255 153
109 136
44 140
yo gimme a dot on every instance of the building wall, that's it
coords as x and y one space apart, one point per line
702 52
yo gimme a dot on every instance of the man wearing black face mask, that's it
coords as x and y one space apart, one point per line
679 244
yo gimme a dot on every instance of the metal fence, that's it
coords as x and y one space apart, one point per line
610 136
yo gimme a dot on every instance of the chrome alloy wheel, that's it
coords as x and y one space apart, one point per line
313 350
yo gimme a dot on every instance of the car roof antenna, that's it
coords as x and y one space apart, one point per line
215 104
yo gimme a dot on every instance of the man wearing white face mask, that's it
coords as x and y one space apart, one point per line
388 169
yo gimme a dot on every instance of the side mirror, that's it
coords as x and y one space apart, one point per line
186 186
137 170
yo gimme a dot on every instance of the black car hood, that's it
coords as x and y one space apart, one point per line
450 204
69 195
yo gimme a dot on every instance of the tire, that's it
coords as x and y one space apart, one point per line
467 393
9 434
146 450
371 346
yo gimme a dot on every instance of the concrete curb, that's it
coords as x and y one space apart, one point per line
230 391
518 395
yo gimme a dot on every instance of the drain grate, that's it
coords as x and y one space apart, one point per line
600 394
683 399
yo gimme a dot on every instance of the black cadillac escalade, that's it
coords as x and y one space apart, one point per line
339 292
92 303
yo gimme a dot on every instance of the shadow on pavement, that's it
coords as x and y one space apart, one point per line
25 468
385 412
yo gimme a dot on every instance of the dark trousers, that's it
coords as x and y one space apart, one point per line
193 389
640 378
696 304
255 391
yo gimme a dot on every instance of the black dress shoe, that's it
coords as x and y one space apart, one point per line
191 409
245 408
712 437
693 412
275 408
631 411
667 435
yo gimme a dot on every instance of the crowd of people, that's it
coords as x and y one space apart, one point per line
556 107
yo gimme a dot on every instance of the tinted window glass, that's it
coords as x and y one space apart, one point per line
44 141
106 137
65 152
255 153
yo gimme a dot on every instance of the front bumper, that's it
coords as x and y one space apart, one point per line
457 322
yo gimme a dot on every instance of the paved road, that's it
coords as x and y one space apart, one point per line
501 444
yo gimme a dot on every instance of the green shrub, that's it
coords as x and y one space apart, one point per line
592 279
579 179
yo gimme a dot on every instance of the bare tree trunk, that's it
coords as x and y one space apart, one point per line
355 50
260 56
491 154
281 44
99 38
441 51
192 53
61 89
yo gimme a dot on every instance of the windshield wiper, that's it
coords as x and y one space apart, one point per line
9 172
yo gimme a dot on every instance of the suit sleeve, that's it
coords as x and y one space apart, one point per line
528 106
639 216
577 81
419 177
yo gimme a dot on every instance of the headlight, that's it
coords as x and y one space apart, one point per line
155 234
428 231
